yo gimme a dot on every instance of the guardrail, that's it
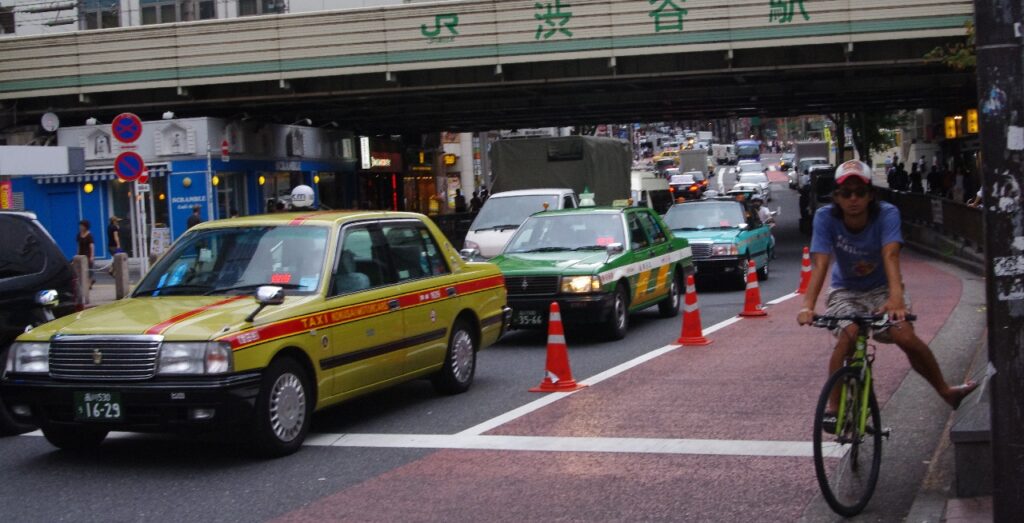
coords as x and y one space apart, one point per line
944 227
455 226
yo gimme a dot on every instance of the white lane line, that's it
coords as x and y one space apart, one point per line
781 299
704 447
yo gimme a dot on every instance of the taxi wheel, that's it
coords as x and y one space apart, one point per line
669 307
284 409
618 318
459 362
74 438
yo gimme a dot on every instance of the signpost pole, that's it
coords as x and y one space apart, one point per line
209 183
999 56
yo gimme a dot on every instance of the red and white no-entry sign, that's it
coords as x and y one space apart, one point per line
225 155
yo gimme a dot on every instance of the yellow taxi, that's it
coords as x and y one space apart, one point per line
261 321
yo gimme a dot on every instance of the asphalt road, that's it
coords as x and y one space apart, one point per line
213 479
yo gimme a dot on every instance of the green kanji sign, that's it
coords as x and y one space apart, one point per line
553 20
782 11
668 16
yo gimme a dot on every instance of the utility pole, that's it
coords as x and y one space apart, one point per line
1001 111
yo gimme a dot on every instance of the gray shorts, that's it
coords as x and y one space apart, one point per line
842 302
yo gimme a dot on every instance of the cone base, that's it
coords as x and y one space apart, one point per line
756 313
563 386
693 341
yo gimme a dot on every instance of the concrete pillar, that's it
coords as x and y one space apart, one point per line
119 268
80 266
466 165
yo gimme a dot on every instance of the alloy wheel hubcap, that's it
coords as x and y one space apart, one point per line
462 356
287 407
620 312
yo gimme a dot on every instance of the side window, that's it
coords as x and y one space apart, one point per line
413 252
637 236
651 226
360 263
568 203
23 252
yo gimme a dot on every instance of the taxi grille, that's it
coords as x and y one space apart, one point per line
122 358
701 250
531 285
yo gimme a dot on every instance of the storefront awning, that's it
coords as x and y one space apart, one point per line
99 174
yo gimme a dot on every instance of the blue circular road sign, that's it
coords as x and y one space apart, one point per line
129 166
126 127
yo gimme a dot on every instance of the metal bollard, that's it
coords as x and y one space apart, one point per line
80 266
119 268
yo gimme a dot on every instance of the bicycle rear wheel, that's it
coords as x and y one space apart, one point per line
847 463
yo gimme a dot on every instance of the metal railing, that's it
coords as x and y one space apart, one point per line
454 226
947 217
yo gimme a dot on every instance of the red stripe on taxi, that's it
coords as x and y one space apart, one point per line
159 328
330 318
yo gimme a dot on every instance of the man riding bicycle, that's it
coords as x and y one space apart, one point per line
860 238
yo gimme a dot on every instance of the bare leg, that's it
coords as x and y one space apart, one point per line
923 362
845 344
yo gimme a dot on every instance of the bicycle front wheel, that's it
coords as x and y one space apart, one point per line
847 462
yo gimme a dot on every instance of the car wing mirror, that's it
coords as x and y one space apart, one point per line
265 296
614 248
743 226
469 254
48 298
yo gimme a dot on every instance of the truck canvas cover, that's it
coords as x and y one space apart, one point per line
602 165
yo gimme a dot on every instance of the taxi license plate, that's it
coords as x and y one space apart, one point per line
98 406
528 318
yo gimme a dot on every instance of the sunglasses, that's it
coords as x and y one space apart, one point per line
859 192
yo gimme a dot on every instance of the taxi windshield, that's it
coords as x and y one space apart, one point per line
240 259
507 212
705 215
565 232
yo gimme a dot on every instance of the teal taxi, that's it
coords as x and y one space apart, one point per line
599 264
724 234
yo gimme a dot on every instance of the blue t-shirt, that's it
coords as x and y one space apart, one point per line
857 258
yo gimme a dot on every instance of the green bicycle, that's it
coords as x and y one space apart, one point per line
848 442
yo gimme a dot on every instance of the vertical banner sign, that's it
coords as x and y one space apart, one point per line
6 194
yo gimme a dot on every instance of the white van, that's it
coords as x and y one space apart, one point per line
647 189
503 212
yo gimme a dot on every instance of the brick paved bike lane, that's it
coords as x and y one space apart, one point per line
759 380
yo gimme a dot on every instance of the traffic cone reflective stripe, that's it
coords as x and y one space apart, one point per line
692 334
752 304
805 272
557 375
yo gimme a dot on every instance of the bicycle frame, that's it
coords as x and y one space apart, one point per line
858 359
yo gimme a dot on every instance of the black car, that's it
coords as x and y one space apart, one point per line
817 193
30 262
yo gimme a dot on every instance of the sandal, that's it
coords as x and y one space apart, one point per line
828 423
960 392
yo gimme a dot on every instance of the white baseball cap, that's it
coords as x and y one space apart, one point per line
853 168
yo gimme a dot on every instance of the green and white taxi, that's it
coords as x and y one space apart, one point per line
724 234
599 264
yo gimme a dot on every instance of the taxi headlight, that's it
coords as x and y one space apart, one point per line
580 284
724 249
195 358
32 357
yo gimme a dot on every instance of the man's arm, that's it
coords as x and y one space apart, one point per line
894 306
820 263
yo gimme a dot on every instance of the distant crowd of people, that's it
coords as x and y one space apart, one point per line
475 203
932 178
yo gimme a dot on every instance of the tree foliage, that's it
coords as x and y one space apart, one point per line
872 132
958 55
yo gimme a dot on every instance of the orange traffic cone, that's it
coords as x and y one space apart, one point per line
558 376
692 333
805 272
752 305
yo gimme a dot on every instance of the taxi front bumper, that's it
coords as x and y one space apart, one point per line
583 308
157 405
720 265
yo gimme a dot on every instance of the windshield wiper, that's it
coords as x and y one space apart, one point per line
180 286
589 248
493 227
546 249
252 286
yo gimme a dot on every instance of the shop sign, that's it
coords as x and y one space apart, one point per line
972 121
380 162
450 159
288 166
159 240
6 194
364 151
951 127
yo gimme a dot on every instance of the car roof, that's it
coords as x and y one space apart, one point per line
24 214
305 218
584 210
531 192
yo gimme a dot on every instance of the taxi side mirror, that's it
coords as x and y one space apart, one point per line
47 299
469 254
614 248
266 295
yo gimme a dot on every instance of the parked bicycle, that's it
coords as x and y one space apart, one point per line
848 429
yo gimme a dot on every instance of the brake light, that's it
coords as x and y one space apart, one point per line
671 189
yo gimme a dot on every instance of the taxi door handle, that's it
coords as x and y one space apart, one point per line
393 304
450 291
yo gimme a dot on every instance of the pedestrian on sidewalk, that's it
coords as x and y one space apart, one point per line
915 179
860 238
114 236
86 247
194 218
